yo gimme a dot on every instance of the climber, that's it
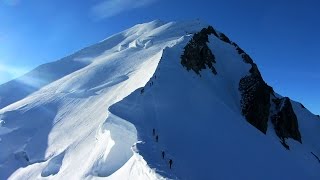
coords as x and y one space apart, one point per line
153 132
157 138
142 90
170 163
163 153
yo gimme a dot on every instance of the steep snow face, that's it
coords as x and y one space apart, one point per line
309 127
91 115
199 125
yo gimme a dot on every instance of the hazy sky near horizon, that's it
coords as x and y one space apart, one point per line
281 36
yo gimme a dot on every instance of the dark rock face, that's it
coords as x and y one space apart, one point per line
224 38
197 55
316 156
240 51
255 100
255 94
285 120
21 156
247 58
302 106
255 103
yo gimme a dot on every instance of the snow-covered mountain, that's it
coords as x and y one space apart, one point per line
91 115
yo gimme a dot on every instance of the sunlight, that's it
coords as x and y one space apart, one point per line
8 72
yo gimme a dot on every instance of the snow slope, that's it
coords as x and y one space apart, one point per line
89 119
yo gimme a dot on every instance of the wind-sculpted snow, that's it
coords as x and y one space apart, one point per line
28 136
93 119
53 166
119 136
54 132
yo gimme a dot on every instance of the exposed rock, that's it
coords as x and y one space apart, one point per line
255 100
316 157
224 38
302 106
21 156
247 58
285 120
197 55
210 30
240 51
255 93
284 143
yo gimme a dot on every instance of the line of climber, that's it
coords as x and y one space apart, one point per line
162 152
150 84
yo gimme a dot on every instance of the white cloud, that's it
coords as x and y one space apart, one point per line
109 8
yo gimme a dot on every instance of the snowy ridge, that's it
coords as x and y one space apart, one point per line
95 121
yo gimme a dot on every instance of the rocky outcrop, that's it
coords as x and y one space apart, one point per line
197 55
255 103
285 120
246 58
316 156
240 51
255 94
21 156
224 38
255 99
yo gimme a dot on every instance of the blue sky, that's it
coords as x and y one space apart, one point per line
281 36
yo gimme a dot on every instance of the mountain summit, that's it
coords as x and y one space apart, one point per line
175 100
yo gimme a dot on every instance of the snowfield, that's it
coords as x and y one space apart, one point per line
90 116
